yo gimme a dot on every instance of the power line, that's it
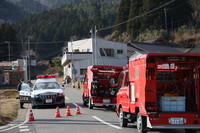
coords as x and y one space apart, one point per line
109 27
50 54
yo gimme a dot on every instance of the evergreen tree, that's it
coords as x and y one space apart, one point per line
135 10
8 34
122 15
2 33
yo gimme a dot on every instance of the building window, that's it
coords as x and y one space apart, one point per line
120 51
83 71
76 50
109 52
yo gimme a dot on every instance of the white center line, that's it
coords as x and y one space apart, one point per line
76 105
23 126
24 130
106 122
66 98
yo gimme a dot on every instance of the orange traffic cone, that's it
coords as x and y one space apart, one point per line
57 113
68 111
31 117
77 110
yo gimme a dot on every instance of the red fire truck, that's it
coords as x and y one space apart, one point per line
100 85
160 91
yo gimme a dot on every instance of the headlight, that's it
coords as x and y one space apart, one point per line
36 96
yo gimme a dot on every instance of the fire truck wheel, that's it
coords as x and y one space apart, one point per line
34 107
122 120
84 101
190 131
141 123
90 104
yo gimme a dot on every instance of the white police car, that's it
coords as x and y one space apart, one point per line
47 91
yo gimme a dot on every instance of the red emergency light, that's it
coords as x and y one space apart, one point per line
45 76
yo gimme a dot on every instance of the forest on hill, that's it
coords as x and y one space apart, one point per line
171 16
10 12
8 37
177 21
122 21
72 21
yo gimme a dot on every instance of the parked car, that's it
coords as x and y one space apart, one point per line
25 94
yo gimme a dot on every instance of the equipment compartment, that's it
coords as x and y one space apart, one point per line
176 104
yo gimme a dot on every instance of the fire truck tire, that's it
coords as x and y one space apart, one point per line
34 107
84 101
123 121
190 131
90 106
141 123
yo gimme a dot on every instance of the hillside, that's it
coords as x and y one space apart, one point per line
144 22
73 20
10 12
36 6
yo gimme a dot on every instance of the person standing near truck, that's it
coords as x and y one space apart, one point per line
19 88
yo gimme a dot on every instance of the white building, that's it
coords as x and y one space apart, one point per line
84 54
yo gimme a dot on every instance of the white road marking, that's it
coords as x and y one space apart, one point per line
23 127
14 126
76 105
106 122
24 130
11 126
66 98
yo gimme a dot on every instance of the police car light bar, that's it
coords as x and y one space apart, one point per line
45 76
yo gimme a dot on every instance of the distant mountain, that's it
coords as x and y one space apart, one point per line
10 12
39 5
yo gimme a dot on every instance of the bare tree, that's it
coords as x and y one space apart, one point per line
196 13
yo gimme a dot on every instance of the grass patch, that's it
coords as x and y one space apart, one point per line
9 106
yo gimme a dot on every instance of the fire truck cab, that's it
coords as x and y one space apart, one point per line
100 85
160 91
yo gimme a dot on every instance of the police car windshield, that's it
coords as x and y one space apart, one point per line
46 85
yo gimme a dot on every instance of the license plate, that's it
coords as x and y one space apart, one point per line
106 100
176 121
25 99
48 100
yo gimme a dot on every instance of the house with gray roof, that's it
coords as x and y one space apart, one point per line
137 48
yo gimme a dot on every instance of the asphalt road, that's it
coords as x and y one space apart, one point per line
97 120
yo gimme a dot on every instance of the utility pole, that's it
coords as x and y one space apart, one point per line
165 10
95 35
29 57
73 75
91 31
8 50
